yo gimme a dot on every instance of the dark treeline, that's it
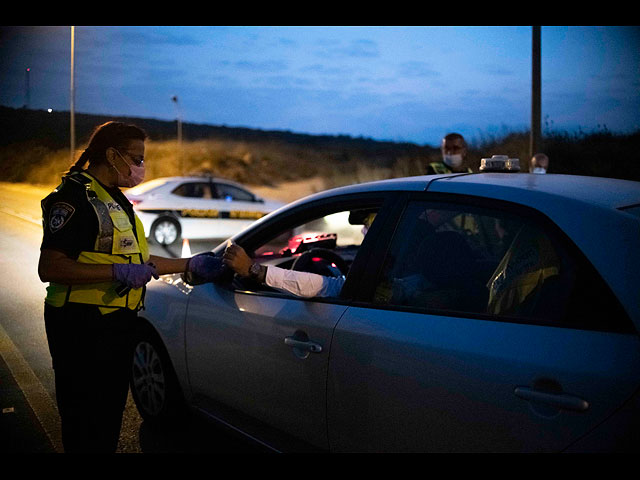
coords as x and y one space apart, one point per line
52 131
598 154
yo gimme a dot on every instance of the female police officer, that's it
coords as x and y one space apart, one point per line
95 256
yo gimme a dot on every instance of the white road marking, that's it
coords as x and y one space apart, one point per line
39 400
22 216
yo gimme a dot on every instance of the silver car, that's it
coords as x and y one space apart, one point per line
491 312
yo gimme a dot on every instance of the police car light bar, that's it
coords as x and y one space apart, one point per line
500 163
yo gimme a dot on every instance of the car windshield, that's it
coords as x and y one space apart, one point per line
146 186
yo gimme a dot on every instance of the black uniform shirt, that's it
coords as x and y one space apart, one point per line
69 221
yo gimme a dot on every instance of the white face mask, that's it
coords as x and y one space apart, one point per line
539 170
453 161
137 174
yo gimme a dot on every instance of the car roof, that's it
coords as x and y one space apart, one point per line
604 192
163 183
190 178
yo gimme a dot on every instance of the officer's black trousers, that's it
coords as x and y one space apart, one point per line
92 356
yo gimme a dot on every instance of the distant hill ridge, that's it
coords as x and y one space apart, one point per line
34 147
52 130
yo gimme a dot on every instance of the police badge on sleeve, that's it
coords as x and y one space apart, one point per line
59 215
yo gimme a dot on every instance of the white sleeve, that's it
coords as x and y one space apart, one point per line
303 284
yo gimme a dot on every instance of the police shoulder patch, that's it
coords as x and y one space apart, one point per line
59 215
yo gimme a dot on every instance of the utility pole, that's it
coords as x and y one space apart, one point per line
72 96
534 142
180 159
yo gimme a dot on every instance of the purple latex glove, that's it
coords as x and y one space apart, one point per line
205 266
133 275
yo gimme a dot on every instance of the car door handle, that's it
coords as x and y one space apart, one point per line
306 346
558 400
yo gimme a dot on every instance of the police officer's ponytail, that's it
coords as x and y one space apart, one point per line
80 163
110 134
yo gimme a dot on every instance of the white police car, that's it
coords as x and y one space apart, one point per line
490 312
195 207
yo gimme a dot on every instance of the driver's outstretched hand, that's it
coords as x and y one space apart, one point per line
237 259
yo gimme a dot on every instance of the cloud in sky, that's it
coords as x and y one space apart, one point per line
397 83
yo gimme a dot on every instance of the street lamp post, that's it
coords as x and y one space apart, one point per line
72 95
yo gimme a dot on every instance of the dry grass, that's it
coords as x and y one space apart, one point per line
289 170
264 167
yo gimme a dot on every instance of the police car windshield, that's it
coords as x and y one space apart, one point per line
146 186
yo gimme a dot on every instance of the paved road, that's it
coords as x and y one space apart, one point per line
29 420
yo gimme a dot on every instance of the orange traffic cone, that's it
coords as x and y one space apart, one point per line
186 250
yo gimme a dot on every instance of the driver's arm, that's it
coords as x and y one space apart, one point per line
300 284
303 284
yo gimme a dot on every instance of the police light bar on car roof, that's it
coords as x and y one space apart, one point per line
500 163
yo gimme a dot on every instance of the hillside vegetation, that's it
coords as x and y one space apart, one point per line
34 148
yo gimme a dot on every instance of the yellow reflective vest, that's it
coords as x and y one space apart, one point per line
117 242
440 168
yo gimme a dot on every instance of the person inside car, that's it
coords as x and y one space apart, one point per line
300 284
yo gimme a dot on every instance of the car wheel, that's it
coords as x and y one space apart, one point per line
165 231
154 385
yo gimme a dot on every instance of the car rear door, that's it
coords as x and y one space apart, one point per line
512 344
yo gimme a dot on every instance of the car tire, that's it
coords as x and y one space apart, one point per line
165 231
154 385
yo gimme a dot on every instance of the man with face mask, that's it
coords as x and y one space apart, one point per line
95 257
454 151
539 163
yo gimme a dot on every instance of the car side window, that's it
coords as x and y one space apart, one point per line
458 259
325 245
471 260
446 258
230 192
193 190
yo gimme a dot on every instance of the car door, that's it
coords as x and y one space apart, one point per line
262 352
482 330
264 356
194 204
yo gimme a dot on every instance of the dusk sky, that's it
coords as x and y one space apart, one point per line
388 83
